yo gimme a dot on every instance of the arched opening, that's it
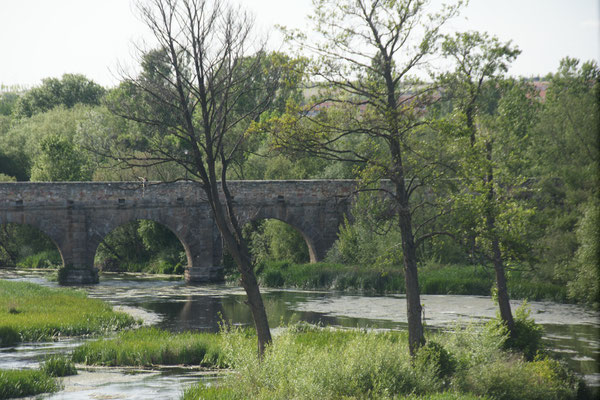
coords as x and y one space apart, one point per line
276 247
25 246
141 246
272 240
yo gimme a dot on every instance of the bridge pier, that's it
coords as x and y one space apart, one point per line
80 275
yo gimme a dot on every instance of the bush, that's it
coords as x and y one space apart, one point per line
58 366
514 379
527 335
434 356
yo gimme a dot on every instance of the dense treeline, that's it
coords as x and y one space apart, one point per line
545 157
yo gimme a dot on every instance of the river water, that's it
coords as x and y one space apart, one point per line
570 332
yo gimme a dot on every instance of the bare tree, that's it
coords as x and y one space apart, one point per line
191 104
367 54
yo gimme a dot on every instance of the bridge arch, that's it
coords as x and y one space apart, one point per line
40 244
103 230
308 240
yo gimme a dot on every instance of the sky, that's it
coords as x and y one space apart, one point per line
97 38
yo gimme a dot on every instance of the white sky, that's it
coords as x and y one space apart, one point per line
47 38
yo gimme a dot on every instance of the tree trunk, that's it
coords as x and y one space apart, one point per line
413 298
503 299
239 252
255 302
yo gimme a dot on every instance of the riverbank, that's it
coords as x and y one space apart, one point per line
306 362
33 313
433 279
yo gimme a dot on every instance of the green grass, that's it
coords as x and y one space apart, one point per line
151 346
21 383
30 312
310 363
44 259
437 279
58 366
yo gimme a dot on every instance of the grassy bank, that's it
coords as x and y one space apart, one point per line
309 363
30 312
21 383
151 346
452 279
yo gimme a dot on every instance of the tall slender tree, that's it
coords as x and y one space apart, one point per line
195 109
366 53
492 125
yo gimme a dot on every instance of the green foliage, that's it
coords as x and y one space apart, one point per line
71 89
434 356
205 392
586 285
371 238
273 240
21 383
151 346
331 276
142 246
43 259
25 246
513 379
527 335
59 160
7 178
9 336
38 313
58 130
309 362
8 99
58 366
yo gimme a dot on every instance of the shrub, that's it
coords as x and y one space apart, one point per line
58 366
527 335
433 355
514 379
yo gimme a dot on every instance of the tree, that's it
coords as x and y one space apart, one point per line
21 144
497 128
71 89
59 160
566 155
205 70
371 111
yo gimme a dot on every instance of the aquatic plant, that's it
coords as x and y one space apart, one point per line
433 279
44 313
152 346
21 383
58 366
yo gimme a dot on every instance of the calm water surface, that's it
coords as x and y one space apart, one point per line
571 332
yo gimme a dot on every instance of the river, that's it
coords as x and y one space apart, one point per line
570 332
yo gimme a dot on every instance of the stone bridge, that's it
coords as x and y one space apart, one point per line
76 216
